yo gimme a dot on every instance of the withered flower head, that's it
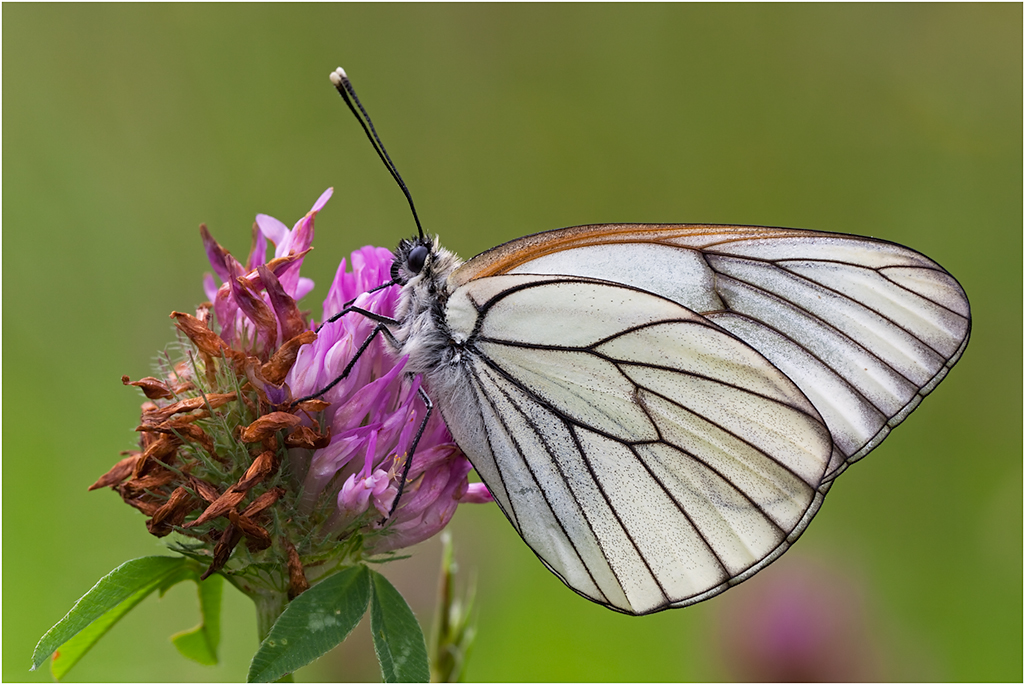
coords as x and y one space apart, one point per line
225 456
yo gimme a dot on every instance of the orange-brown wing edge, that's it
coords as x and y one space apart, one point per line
507 256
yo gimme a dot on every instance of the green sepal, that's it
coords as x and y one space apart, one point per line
200 643
101 607
312 624
398 639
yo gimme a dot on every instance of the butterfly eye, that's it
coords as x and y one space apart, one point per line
417 257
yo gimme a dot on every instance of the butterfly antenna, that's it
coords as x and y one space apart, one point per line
344 87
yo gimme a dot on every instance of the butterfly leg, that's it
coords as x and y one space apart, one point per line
386 332
347 307
412 449
382 328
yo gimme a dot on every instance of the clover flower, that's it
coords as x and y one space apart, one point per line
226 454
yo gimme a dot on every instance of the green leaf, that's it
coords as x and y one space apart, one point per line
103 606
72 651
312 624
398 640
200 643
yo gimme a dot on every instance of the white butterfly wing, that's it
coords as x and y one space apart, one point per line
863 327
650 458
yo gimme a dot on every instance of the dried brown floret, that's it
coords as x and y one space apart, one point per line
119 472
151 387
206 341
259 469
221 506
211 400
204 489
223 549
268 425
257 310
183 427
262 502
304 436
158 478
258 537
203 313
313 406
280 265
172 513
144 504
162 449
282 360
297 583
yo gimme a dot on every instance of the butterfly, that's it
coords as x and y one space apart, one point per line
660 409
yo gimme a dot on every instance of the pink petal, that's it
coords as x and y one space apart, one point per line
290 320
209 287
215 253
322 200
477 493
302 289
257 251
353 496
275 231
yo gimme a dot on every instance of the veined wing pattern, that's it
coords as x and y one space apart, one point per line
649 457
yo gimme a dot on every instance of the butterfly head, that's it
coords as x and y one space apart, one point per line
412 259
422 260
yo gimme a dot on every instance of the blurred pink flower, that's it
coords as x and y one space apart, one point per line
799 622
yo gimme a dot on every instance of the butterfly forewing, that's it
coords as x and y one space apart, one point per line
863 327
645 454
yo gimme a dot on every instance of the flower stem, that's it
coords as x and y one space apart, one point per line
269 605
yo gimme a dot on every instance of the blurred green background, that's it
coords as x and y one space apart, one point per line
126 126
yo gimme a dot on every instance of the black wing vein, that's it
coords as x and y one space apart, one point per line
544 493
809 283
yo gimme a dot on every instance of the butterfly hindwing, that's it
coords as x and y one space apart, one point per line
649 457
